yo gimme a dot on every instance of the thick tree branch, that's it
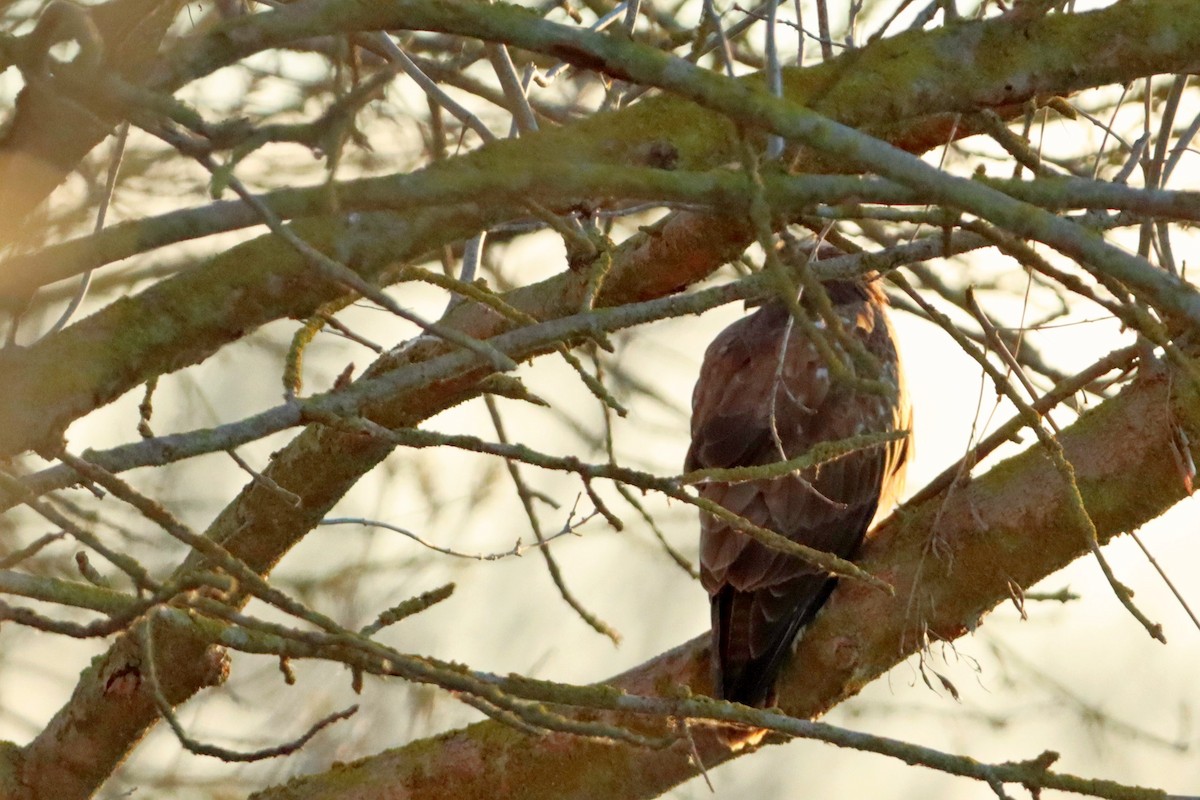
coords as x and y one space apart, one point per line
184 319
1007 528
265 281
320 466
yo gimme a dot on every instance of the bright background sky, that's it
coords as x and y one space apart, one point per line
1082 679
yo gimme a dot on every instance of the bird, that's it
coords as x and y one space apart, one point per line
766 393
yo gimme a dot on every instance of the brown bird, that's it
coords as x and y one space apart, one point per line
762 598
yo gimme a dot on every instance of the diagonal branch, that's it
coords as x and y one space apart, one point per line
1117 451
185 319
96 730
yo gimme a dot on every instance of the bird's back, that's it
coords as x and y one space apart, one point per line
766 393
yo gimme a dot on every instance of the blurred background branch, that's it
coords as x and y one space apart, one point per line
1023 178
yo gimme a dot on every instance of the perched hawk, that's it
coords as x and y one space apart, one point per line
761 598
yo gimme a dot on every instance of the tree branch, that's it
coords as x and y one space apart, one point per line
184 319
187 317
1117 450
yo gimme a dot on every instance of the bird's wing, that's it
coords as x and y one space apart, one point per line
760 596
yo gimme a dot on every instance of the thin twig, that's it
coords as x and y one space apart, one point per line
1032 420
335 271
110 185
149 663
265 481
430 87
524 120
774 76
526 498
1162 573
1117 360
672 487
137 573
522 343
518 549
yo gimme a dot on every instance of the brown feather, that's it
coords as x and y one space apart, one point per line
761 597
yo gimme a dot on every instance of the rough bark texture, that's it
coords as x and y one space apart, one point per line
319 467
1006 526
1120 450
926 77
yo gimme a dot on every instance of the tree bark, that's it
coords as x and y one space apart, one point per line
995 536
1120 450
